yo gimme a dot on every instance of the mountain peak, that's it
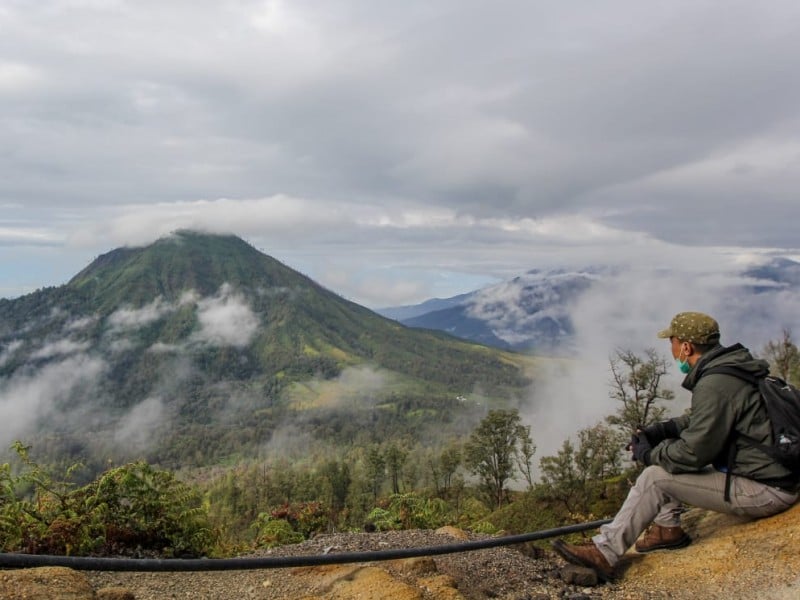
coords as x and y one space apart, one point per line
170 266
175 341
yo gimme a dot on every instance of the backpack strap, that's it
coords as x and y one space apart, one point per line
750 378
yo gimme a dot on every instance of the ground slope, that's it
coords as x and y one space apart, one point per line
729 558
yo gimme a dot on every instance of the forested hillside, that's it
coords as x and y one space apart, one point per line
199 348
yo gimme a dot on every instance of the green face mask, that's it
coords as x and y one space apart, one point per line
683 366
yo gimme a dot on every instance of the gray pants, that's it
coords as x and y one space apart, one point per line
657 496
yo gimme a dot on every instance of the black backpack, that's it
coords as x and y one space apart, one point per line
782 401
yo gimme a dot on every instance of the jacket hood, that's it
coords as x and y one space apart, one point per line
734 356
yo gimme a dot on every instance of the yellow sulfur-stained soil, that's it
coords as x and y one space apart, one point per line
730 557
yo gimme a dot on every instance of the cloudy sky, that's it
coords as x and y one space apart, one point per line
400 151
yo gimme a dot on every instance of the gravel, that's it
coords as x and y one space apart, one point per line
504 573
716 566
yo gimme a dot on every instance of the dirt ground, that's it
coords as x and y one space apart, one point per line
730 558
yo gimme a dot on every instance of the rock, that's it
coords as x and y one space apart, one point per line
453 532
372 583
115 593
416 567
441 587
576 575
45 583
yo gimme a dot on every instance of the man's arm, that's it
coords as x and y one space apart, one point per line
704 435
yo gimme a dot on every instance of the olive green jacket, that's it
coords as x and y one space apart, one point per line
722 404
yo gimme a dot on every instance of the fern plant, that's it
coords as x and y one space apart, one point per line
132 509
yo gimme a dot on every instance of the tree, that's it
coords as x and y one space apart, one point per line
784 358
524 455
338 475
598 455
491 450
560 476
395 459
636 384
443 467
449 461
376 470
574 474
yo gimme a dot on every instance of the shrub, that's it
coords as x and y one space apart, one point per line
409 511
307 518
131 509
271 532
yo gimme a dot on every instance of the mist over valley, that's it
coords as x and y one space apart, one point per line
199 349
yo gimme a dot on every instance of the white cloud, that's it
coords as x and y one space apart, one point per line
625 310
355 386
278 215
81 323
362 380
60 348
17 77
26 397
28 235
162 348
131 318
7 352
385 135
135 430
225 319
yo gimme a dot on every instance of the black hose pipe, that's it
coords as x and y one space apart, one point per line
87 563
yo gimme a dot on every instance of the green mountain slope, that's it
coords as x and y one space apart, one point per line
199 346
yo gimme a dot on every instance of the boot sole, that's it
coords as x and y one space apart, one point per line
559 547
681 543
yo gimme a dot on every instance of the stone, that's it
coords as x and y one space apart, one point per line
441 587
453 532
416 567
580 576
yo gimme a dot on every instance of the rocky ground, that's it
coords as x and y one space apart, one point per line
492 573
729 559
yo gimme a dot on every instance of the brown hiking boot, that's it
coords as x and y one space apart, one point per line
663 538
585 555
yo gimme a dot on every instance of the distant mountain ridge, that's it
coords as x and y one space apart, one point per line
777 273
193 345
531 313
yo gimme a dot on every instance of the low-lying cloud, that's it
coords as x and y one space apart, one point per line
27 396
132 318
226 319
60 348
625 310
7 352
137 428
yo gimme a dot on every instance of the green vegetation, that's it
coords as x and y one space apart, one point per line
636 385
491 450
394 483
300 357
313 415
130 508
784 358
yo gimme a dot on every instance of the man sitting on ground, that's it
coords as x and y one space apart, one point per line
688 457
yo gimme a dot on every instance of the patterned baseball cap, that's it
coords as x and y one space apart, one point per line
694 327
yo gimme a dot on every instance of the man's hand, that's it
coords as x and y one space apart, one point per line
658 432
640 447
